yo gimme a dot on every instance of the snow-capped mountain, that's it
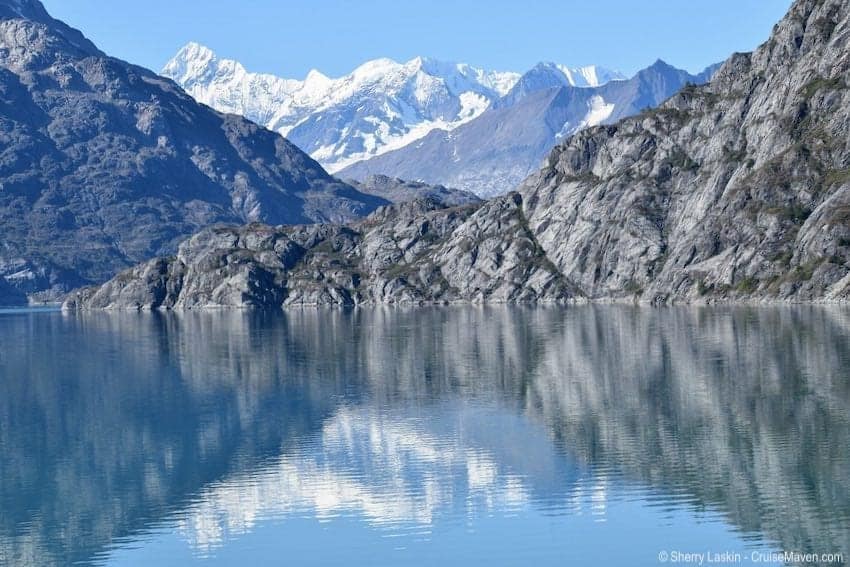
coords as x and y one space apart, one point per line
495 152
381 106
550 75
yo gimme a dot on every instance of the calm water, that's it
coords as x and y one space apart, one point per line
452 436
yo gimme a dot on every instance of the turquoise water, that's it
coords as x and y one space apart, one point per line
598 435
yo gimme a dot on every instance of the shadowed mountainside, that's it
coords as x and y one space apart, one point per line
104 164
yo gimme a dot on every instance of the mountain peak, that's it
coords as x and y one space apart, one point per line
192 54
375 68
547 75
418 62
195 50
662 69
660 64
562 75
17 13
192 63
186 164
26 9
316 76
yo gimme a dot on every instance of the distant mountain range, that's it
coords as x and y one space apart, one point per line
426 120
104 164
495 152
379 107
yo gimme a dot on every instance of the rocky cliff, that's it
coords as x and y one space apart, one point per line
104 164
735 190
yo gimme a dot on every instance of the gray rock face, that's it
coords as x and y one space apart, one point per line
739 189
736 190
400 191
104 164
494 153
411 253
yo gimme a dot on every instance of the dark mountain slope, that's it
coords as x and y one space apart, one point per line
104 164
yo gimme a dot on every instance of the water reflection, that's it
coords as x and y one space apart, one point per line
210 424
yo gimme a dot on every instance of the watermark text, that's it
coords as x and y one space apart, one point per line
684 557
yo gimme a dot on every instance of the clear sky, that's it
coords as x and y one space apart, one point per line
290 37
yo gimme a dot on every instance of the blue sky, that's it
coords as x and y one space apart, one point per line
289 37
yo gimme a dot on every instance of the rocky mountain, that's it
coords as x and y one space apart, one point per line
735 190
381 106
104 164
414 252
497 151
399 191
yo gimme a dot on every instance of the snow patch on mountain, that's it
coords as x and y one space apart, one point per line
590 76
598 112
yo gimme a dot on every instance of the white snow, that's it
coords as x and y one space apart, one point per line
380 106
598 111
589 76
472 105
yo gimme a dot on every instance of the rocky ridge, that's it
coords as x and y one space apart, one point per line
414 252
400 191
738 189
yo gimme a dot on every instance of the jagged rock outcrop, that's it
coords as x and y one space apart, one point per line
104 164
736 190
417 252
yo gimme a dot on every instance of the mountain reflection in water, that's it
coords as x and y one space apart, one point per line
115 428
